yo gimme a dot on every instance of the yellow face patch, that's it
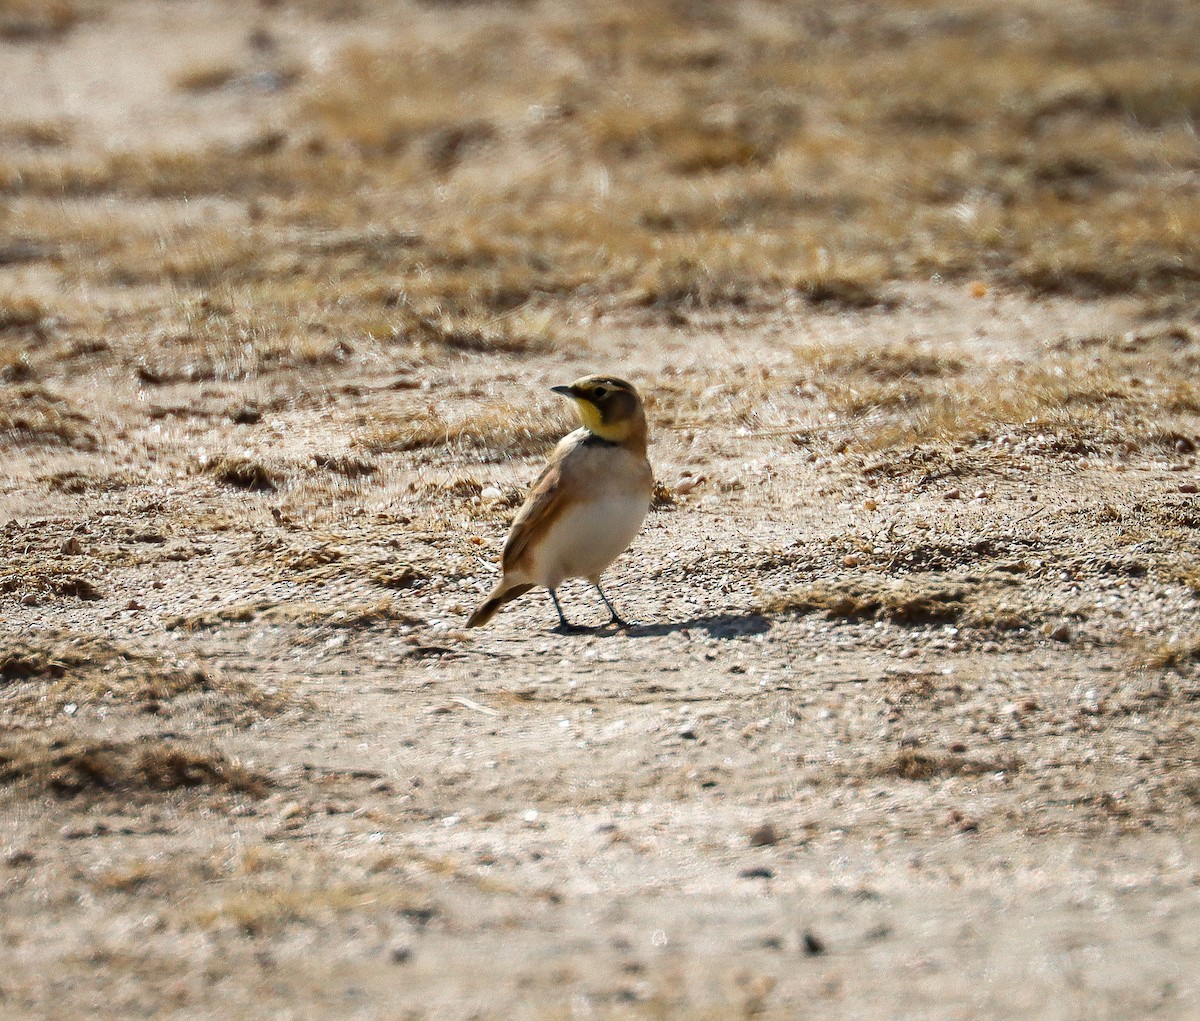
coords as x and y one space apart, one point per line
590 414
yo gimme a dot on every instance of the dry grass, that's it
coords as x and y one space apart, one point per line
1178 654
397 575
34 20
346 465
32 415
659 156
206 77
43 673
1189 576
237 613
897 398
515 429
263 908
910 603
15 367
244 473
51 133
20 313
472 191
68 766
919 764
37 577
72 480
352 616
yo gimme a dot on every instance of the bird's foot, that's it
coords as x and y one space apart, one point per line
565 627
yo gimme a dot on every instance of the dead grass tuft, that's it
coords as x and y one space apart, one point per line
263 909
43 672
38 577
33 20
18 313
71 480
237 613
68 766
471 331
207 77
916 764
35 416
514 429
352 616
15 367
898 603
345 464
845 293
1173 655
664 497
244 473
886 363
39 134
1190 577
397 576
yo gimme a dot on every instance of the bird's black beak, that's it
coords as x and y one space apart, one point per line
566 391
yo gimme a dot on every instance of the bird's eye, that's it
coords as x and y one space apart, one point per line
599 392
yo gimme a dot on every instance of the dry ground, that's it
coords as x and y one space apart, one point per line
908 724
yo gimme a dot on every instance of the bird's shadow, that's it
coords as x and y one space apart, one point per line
716 625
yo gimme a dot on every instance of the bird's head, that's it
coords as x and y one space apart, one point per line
609 407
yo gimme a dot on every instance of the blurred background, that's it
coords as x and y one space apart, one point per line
319 176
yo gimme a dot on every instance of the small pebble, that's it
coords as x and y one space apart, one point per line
1059 632
814 946
757 872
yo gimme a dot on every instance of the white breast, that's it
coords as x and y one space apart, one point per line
587 538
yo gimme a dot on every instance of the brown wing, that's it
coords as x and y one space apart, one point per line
546 500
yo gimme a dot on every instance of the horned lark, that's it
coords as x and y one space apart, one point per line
586 506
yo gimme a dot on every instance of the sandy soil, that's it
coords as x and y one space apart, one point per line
905 735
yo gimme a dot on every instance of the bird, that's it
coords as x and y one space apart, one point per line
587 505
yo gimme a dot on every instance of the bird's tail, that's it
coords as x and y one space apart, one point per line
486 610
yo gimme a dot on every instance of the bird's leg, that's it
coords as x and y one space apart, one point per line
616 617
564 625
